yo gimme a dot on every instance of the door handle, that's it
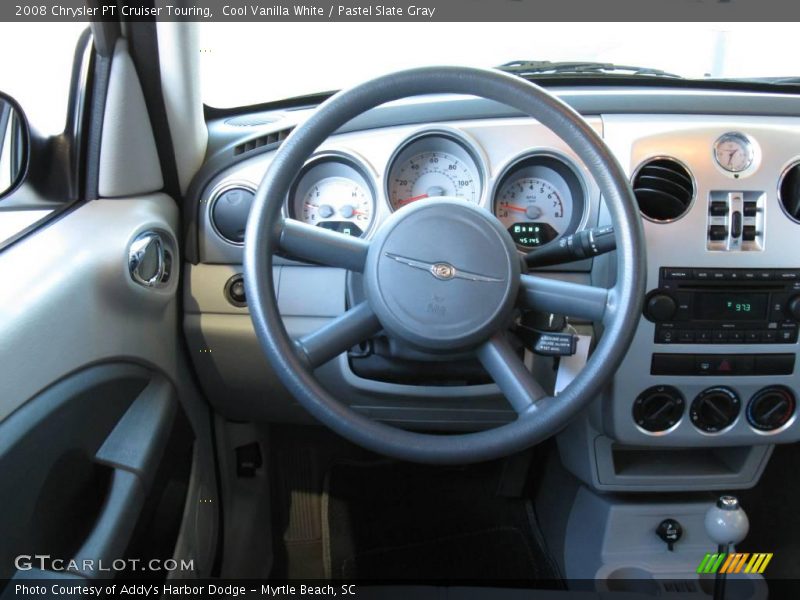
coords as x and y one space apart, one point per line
150 258
133 450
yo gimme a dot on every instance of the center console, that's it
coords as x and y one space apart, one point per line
709 383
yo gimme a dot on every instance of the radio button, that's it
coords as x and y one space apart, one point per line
787 275
718 275
702 275
769 336
665 336
704 337
720 337
749 275
787 336
752 337
678 274
686 337
764 275
736 337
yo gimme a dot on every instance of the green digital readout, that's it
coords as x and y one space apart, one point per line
532 234
739 307
710 306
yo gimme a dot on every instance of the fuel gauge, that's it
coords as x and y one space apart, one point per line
335 193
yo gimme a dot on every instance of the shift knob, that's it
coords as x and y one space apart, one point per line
726 522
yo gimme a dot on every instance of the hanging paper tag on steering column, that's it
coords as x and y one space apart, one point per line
548 343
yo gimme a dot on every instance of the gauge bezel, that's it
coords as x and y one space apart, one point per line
748 143
348 159
216 194
469 145
524 160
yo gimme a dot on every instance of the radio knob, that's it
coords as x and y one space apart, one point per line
793 307
661 307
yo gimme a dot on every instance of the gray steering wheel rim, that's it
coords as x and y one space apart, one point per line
625 297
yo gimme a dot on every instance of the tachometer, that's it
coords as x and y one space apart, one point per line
433 166
533 210
539 199
333 193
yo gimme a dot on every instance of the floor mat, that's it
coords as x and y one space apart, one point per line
395 521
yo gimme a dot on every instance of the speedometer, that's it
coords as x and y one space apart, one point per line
433 166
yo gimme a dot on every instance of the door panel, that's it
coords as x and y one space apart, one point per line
94 384
76 464
67 299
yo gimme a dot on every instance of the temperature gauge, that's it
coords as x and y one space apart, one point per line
334 194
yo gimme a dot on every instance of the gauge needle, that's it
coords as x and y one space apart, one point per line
412 199
516 208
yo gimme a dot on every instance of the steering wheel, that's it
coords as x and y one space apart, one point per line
442 275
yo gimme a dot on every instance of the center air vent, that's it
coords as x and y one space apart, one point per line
789 192
663 188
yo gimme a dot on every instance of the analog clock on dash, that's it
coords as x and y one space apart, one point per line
733 152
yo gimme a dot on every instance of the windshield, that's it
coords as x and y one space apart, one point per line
261 62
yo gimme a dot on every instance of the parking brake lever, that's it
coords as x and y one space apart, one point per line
583 244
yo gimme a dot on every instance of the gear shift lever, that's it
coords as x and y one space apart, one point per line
726 524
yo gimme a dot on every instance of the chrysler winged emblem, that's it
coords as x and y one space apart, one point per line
441 270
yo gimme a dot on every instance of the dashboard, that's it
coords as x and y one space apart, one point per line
713 361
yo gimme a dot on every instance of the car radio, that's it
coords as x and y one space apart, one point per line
725 306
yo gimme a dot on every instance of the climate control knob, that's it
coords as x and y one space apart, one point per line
660 307
715 409
658 408
771 408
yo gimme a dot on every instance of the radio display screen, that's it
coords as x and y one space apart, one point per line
733 306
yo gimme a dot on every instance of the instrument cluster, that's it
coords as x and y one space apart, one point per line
539 196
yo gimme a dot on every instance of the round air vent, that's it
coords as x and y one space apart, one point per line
663 189
229 212
789 192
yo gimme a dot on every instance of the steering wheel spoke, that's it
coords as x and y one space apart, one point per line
321 246
510 373
341 334
565 298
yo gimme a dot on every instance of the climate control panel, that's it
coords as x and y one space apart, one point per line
715 410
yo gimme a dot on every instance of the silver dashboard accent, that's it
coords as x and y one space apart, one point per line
150 258
441 270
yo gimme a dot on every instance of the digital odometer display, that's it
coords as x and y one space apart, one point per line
532 234
731 307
